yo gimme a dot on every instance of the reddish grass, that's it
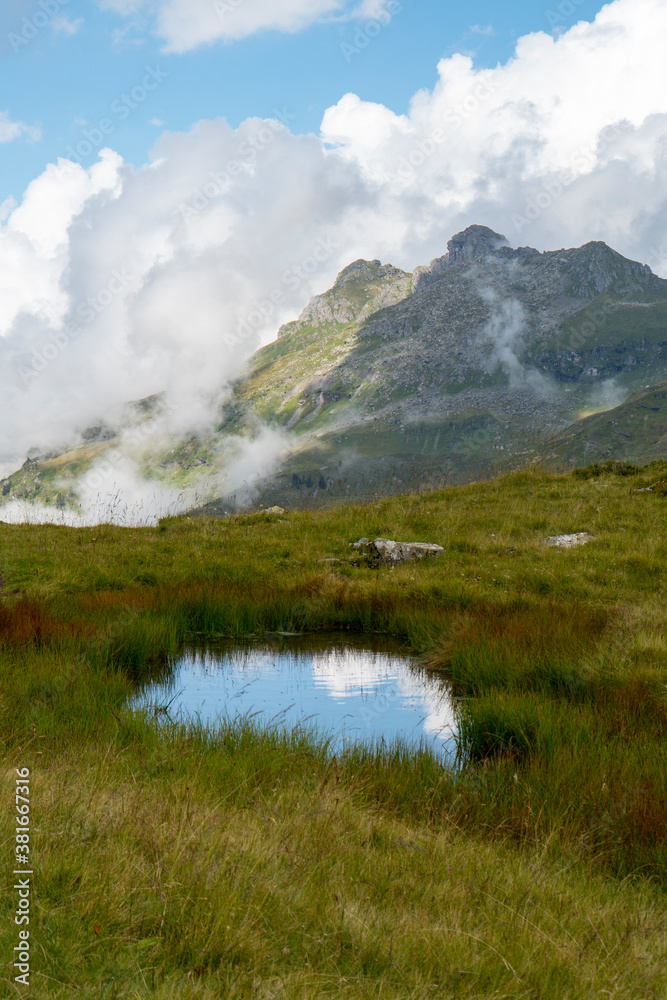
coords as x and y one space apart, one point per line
26 623
535 631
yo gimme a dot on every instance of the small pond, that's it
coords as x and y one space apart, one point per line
348 689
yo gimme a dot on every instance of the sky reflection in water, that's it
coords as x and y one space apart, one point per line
344 691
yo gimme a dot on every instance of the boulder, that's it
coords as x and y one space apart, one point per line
361 544
385 552
569 541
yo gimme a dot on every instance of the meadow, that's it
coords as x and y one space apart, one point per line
176 861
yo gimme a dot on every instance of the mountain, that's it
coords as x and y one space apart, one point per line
391 378
483 355
634 431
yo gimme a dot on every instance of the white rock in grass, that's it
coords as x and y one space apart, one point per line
390 553
569 541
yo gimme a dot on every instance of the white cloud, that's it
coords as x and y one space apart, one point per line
569 136
186 24
119 283
63 26
10 130
373 9
175 272
6 208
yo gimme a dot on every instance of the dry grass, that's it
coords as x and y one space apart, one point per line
172 874
184 863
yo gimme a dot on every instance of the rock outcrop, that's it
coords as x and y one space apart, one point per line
361 289
385 552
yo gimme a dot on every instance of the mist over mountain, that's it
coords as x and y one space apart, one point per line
390 378
120 274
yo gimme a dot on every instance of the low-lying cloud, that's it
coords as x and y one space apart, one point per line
501 341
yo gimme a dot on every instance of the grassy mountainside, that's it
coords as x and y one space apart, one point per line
488 353
175 862
635 431
469 364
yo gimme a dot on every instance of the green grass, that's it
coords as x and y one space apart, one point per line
635 430
178 861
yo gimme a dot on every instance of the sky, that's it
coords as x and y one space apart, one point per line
180 176
68 72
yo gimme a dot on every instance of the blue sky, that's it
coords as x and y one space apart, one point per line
67 77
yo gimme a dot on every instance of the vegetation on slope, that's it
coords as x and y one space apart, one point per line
177 862
636 430
428 377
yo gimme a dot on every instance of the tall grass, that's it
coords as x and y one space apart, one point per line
179 860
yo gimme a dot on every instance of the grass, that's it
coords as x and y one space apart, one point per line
636 429
179 861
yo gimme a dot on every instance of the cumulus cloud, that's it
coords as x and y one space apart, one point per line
119 283
116 282
186 24
563 143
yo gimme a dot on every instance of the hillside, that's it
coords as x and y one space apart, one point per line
389 378
488 353
634 431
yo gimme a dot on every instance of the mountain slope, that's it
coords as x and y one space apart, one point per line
489 351
391 378
635 431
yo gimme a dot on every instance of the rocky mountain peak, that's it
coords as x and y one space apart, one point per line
474 242
365 271
595 267
358 270
360 289
389 376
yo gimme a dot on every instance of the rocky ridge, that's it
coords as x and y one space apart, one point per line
395 377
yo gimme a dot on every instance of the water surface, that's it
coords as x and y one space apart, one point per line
348 689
